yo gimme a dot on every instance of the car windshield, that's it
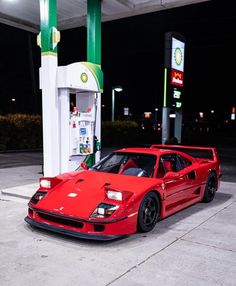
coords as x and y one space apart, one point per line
131 164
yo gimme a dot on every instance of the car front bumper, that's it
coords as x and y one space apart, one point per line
80 227
70 232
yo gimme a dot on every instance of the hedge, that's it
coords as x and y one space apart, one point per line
119 133
20 131
23 131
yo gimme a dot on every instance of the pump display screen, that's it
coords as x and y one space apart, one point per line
83 131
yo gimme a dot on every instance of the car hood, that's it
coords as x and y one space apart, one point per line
79 195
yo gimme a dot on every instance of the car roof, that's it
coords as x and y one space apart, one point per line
152 151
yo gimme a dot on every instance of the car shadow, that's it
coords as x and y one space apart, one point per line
173 220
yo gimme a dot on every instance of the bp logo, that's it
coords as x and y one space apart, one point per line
84 77
178 56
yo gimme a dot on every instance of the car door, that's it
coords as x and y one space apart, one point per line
189 171
174 183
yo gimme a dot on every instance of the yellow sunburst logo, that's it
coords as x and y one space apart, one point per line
84 77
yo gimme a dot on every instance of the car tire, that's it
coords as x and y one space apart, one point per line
210 189
149 211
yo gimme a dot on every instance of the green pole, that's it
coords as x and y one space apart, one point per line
93 43
48 21
94 31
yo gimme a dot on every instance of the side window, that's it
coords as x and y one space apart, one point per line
183 162
161 170
186 161
170 163
174 163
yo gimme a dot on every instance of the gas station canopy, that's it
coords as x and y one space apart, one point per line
25 14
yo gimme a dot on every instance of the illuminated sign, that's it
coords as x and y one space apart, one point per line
233 113
177 94
177 55
126 110
177 77
178 104
174 61
147 114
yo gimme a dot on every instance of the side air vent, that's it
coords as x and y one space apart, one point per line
198 190
106 184
192 175
79 181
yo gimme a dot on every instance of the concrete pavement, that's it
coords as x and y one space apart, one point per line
193 247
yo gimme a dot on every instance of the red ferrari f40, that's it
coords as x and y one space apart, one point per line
129 190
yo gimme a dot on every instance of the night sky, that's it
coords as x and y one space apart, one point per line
133 56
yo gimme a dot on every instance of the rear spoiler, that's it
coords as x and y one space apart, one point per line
209 153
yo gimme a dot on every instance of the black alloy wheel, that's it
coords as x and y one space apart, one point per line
210 189
148 212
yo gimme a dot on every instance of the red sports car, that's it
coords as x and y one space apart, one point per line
127 191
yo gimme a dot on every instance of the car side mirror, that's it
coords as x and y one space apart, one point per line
84 166
171 176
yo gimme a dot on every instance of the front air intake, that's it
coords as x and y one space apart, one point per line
62 221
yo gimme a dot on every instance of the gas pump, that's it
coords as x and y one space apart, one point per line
79 127
82 123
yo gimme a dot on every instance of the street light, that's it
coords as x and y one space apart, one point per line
118 89
155 119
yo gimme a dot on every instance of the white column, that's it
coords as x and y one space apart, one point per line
50 116
64 128
98 125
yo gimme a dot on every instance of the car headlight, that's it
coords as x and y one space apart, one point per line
113 195
45 183
104 210
37 197
48 183
118 195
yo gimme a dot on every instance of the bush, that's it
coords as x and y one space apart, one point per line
4 132
23 131
119 133
20 131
